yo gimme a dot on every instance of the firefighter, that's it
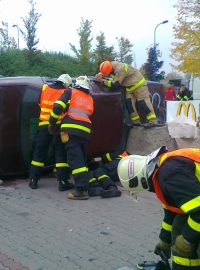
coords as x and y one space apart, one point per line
183 94
49 94
77 106
137 94
102 181
175 178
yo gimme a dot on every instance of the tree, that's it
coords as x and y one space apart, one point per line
84 54
186 51
102 52
152 66
6 42
30 22
125 48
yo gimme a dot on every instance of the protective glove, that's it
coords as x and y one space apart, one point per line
64 136
163 249
182 248
99 77
52 129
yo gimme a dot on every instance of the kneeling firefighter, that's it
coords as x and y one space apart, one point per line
175 178
137 94
103 180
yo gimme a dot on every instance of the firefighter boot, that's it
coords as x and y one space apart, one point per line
151 123
78 195
111 191
33 183
95 189
151 265
65 185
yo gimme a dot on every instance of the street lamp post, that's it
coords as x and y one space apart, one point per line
154 41
155 51
16 25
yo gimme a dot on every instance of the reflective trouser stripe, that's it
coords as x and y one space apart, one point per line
185 261
92 180
59 165
47 123
36 163
135 118
80 170
151 116
103 176
44 123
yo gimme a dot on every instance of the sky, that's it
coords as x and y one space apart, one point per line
135 20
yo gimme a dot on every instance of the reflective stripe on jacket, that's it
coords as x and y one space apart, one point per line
81 106
191 153
135 86
128 76
48 97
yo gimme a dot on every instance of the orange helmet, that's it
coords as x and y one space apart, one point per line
106 68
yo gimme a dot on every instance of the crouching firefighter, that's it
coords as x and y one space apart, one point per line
103 180
77 106
175 178
137 94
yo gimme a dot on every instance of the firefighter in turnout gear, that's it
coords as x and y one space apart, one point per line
137 94
175 178
102 181
77 106
183 94
49 94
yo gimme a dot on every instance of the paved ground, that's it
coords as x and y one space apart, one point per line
42 230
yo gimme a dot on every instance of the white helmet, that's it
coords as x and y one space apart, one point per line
82 82
134 170
65 79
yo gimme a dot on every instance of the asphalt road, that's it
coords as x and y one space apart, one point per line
43 230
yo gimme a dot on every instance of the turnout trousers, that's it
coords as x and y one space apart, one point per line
141 104
75 150
43 140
